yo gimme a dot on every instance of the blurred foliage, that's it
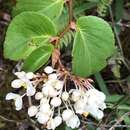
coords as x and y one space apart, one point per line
114 80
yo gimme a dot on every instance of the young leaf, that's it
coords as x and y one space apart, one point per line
93 44
51 8
37 58
27 32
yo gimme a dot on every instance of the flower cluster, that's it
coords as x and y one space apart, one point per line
56 103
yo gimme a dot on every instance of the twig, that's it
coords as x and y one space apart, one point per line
119 120
9 120
118 39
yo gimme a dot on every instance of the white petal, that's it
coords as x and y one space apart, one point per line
20 75
48 70
30 90
32 111
18 103
17 83
10 96
30 75
56 101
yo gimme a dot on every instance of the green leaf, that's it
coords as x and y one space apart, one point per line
51 8
93 44
37 58
101 83
27 32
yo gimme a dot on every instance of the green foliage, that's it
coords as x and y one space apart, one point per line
38 58
30 31
27 32
51 8
103 6
93 44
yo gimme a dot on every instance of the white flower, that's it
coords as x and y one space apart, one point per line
24 81
43 100
73 122
58 120
45 108
48 70
65 96
55 101
38 96
32 111
42 118
79 106
76 95
51 124
17 99
94 111
67 114
52 76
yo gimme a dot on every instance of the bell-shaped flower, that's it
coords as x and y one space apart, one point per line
65 96
32 111
17 99
48 70
38 95
94 111
58 120
67 114
73 122
43 118
56 101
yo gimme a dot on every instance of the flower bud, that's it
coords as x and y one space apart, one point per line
43 118
67 114
48 70
32 111
58 120
56 101
38 96
30 75
65 96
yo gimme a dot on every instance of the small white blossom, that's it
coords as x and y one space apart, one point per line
32 111
52 76
38 95
58 120
43 118
65 96
17 99
48 70
55 101
67 114
76 95
73 122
